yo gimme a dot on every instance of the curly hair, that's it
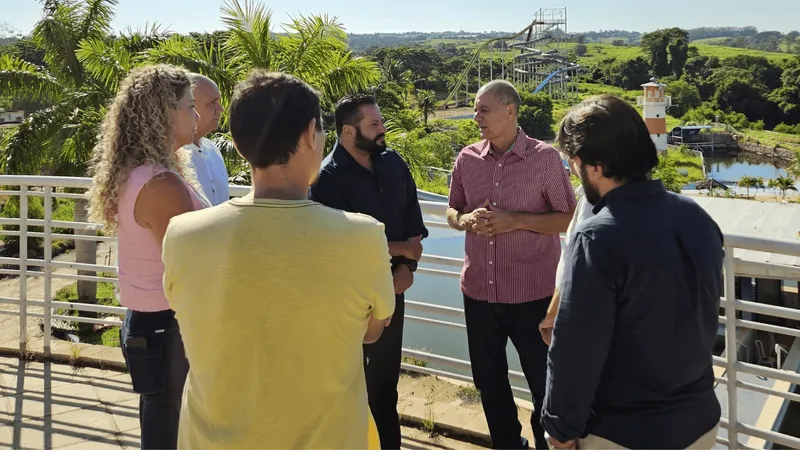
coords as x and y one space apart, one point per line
136 132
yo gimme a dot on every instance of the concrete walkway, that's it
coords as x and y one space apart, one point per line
52 405
48 405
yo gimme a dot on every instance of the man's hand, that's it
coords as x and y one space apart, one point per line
561 445
467 221
403 278
414 248
495 221
546 328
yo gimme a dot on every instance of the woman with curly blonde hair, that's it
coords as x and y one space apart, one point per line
141 181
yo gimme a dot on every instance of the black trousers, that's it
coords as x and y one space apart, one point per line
489 326
153 350
382 368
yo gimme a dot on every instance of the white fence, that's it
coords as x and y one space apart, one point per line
53 187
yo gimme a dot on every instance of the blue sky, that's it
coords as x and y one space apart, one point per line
363 16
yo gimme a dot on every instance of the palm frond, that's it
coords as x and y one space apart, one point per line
77 137
309 39
144 38
25 150
250 36
107 61
96 19
211 60
25 81
57 36
233 162
343 74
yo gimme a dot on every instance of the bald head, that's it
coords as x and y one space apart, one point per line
504 92
207 101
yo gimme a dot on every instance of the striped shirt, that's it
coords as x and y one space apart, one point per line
519 266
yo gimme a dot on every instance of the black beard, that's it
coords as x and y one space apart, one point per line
370 145
591 193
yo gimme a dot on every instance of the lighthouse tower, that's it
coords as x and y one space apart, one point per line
655 105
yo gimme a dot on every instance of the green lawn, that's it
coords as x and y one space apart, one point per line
86 333
772 139
600 51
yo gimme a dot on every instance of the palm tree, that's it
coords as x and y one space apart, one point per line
84 68
750 182
393 70
313 48
784 184
426 104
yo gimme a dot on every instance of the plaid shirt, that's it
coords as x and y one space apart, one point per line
519 266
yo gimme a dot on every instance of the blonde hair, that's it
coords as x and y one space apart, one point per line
136 131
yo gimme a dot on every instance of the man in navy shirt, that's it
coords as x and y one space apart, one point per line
630 364
361 175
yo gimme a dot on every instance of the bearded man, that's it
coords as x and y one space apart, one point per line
362 175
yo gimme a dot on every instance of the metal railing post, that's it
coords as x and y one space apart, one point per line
23 267
48 258
731 347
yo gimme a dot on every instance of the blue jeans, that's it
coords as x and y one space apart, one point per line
153 350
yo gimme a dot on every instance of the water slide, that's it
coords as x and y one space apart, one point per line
553 74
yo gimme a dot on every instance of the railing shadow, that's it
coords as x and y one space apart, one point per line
55 425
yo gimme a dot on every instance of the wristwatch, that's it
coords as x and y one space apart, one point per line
412 264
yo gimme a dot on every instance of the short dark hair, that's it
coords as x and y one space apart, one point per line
269 112
606 131
348 110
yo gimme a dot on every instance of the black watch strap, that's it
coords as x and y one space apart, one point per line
412 264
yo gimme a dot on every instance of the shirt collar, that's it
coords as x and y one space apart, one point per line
630 191
519 146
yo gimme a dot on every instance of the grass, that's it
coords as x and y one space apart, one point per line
469 395
773 139
86 332
689 162
414 361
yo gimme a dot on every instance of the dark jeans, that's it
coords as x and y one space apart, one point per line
153 350
382 369
489 326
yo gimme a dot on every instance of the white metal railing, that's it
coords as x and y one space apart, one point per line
52 187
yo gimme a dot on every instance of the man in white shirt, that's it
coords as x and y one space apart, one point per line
206 157
583 210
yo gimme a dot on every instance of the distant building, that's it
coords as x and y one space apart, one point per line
655 105
11 118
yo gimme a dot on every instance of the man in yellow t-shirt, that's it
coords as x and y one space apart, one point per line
275 294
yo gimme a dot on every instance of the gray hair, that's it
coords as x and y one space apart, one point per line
195 77
503 91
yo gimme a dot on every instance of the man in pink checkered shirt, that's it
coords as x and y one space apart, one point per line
512 196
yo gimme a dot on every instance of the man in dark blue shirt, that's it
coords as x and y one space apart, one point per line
361 175
630 365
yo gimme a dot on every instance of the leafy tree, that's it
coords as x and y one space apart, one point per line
581 50
536 115
685 96
668 50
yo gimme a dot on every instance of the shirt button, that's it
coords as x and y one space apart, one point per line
494 203
500 165
491 282
490 263
491 242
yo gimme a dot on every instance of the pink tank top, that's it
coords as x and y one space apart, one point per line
141 270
